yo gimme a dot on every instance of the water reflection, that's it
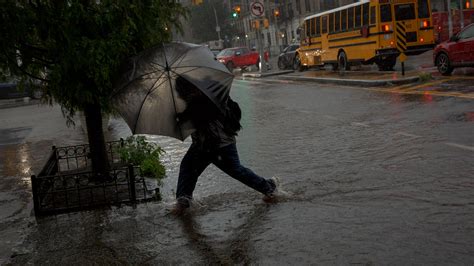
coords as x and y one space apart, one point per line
17 162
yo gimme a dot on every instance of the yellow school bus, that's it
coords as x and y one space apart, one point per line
366 32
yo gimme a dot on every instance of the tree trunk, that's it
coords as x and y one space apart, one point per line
95 133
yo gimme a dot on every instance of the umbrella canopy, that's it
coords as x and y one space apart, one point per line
149 98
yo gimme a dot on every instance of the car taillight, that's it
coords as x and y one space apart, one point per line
386 28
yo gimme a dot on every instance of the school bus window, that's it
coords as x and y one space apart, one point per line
337 23
358 16
350 18
313 26
385 13
308 27
365 14
343 20
325 24
372 15
423 9
404 12
331 22
318 26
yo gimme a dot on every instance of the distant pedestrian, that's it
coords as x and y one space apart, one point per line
214 141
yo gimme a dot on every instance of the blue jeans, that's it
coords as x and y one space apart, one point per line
227 159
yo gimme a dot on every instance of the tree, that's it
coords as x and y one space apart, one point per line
74 49
203 22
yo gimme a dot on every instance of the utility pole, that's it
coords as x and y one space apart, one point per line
450 19
218 29
461 16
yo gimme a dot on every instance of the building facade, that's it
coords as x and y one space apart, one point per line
284 18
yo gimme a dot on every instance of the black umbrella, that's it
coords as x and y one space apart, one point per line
155 89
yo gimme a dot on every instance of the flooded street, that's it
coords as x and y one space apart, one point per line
372 177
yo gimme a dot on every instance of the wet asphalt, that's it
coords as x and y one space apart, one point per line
373 178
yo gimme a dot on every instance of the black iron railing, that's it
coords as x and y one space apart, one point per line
67 183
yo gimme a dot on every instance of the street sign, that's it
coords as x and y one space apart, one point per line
402 57
257 9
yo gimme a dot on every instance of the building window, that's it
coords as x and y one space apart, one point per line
290 10
298 6
307 5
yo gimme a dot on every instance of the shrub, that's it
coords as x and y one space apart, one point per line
137 151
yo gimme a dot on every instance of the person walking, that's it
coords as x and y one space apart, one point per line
214 141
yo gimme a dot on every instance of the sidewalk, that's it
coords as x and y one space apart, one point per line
415 68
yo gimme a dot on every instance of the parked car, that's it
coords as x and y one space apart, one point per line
287 58
240 57
458 51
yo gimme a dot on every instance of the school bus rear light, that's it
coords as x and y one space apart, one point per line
425 24
386 27
422 40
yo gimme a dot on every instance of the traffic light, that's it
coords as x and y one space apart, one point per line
276 13
236 12
256 24
266 24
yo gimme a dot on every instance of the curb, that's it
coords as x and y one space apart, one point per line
338 81
355 82
261 75
11 103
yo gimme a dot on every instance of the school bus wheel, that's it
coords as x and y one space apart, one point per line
342 61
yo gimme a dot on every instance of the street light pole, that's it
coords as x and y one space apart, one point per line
450 19
218 29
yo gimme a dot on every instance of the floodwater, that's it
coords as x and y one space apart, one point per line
373 178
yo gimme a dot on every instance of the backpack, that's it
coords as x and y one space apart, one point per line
232 117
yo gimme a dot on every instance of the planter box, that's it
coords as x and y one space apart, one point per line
66 182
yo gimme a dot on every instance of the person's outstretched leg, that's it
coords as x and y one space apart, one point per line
228 161
192 166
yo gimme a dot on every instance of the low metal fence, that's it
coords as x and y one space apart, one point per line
67 183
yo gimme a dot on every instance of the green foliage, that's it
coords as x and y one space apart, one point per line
424 77
77 47
137 151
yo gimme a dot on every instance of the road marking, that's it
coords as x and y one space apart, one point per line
464 147
436 93
407 135
359 124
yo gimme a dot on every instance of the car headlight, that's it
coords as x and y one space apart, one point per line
222 60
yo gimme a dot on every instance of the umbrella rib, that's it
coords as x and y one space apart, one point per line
203 67
150 90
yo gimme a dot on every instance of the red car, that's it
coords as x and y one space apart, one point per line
458 51
238 57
